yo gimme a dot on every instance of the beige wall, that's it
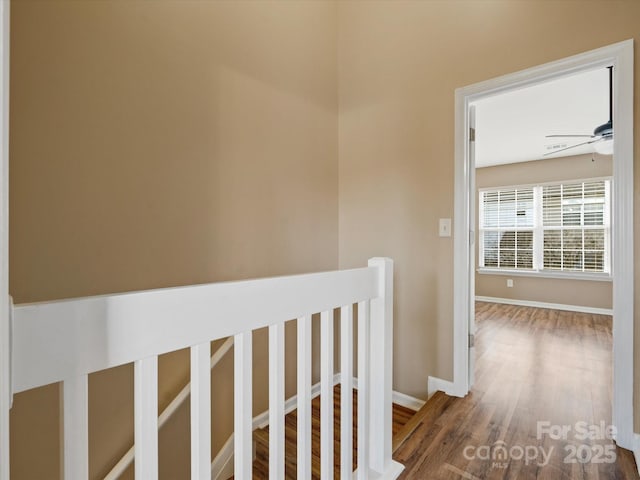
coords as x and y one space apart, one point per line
585 293
399 65
169 143
575 167
164 143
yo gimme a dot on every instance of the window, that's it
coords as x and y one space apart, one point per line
559 227
507 221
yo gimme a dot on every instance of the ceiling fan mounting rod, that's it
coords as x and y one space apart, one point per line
611 95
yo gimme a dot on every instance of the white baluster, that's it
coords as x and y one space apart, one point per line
276 401
326 395
145 374
242 379
201 412
75 412
363 390
346 392
304 398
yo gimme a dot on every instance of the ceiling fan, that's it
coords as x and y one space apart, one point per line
602 137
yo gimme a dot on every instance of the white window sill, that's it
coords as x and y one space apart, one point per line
598 277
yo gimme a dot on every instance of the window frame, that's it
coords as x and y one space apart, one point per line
538 228
500 229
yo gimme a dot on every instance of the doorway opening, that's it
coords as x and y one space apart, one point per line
543 285
620 56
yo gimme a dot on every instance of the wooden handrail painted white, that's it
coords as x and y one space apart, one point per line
169 410
67 340
54 341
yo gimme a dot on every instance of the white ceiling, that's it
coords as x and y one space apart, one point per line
511 127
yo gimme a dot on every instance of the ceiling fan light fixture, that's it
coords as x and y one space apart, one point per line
604 129
604 146
602 138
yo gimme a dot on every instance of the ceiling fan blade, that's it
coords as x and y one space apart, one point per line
572 146
566 136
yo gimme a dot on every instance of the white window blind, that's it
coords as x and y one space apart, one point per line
562 227
576 226
507 228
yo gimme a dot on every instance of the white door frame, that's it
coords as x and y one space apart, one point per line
5 331
620 55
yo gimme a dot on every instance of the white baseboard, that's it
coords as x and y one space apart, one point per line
398 398
393 471
407 401
554 306
435 384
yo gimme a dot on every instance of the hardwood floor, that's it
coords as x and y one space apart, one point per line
401 415
532 365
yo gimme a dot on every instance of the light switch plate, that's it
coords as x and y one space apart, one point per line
445 227
509 282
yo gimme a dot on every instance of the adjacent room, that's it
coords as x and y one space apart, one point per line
543 282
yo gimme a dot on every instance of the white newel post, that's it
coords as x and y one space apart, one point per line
381 370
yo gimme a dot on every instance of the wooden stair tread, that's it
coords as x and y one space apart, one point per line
429 412
261 437
402 416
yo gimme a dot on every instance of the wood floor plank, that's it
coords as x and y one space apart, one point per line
401 415
533 365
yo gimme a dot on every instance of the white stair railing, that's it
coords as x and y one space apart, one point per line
67 340
126 460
